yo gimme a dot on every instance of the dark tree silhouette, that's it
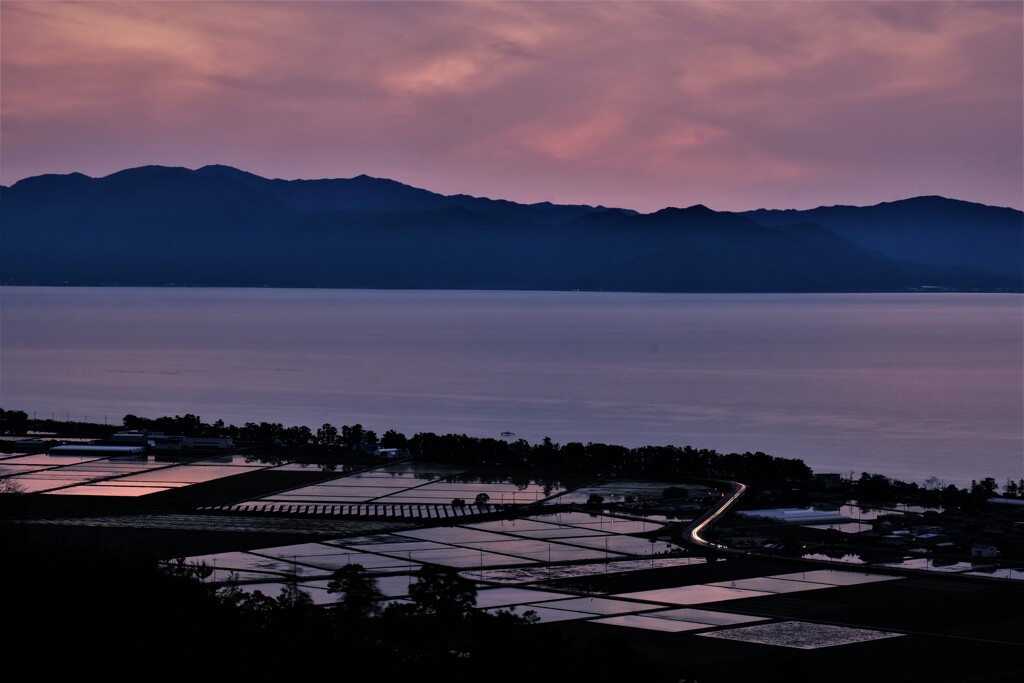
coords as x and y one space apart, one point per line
327 436
440 591
359 595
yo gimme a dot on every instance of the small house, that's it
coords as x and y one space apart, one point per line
984 550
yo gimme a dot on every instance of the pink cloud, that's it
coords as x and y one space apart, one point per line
731 104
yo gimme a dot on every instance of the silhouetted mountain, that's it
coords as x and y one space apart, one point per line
220 226
928 230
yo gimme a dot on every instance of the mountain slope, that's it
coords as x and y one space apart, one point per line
928 230
219 226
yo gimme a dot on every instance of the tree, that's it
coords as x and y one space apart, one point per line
986 488
458 502
180 568
327 436
393 439
359 595
13 421
352 436
873 487
595 499
298 436
441 592
293 597
482 499
188 424
12 495
262 433
9 486
134 424
257 609
952 496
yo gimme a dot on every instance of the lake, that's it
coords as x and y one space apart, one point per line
912 385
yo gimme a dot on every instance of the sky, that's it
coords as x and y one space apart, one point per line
641 105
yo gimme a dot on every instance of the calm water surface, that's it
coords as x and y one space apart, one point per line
908 385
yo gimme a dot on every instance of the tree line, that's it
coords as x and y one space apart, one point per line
461 449
762 471
877 487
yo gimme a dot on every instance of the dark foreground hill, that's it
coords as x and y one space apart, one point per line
218 226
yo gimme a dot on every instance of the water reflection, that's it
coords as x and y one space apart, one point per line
650 623
703 616
1016 574
693 595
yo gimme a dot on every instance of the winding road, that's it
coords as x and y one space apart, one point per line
693 532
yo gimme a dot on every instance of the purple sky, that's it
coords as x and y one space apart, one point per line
736 105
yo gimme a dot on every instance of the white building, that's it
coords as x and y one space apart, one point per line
984 550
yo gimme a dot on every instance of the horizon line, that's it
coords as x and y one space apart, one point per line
502 199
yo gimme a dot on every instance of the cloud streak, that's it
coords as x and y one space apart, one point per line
731 104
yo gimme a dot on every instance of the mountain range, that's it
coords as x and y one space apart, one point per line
220 226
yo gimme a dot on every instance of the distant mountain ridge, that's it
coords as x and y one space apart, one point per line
930 230
220 226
